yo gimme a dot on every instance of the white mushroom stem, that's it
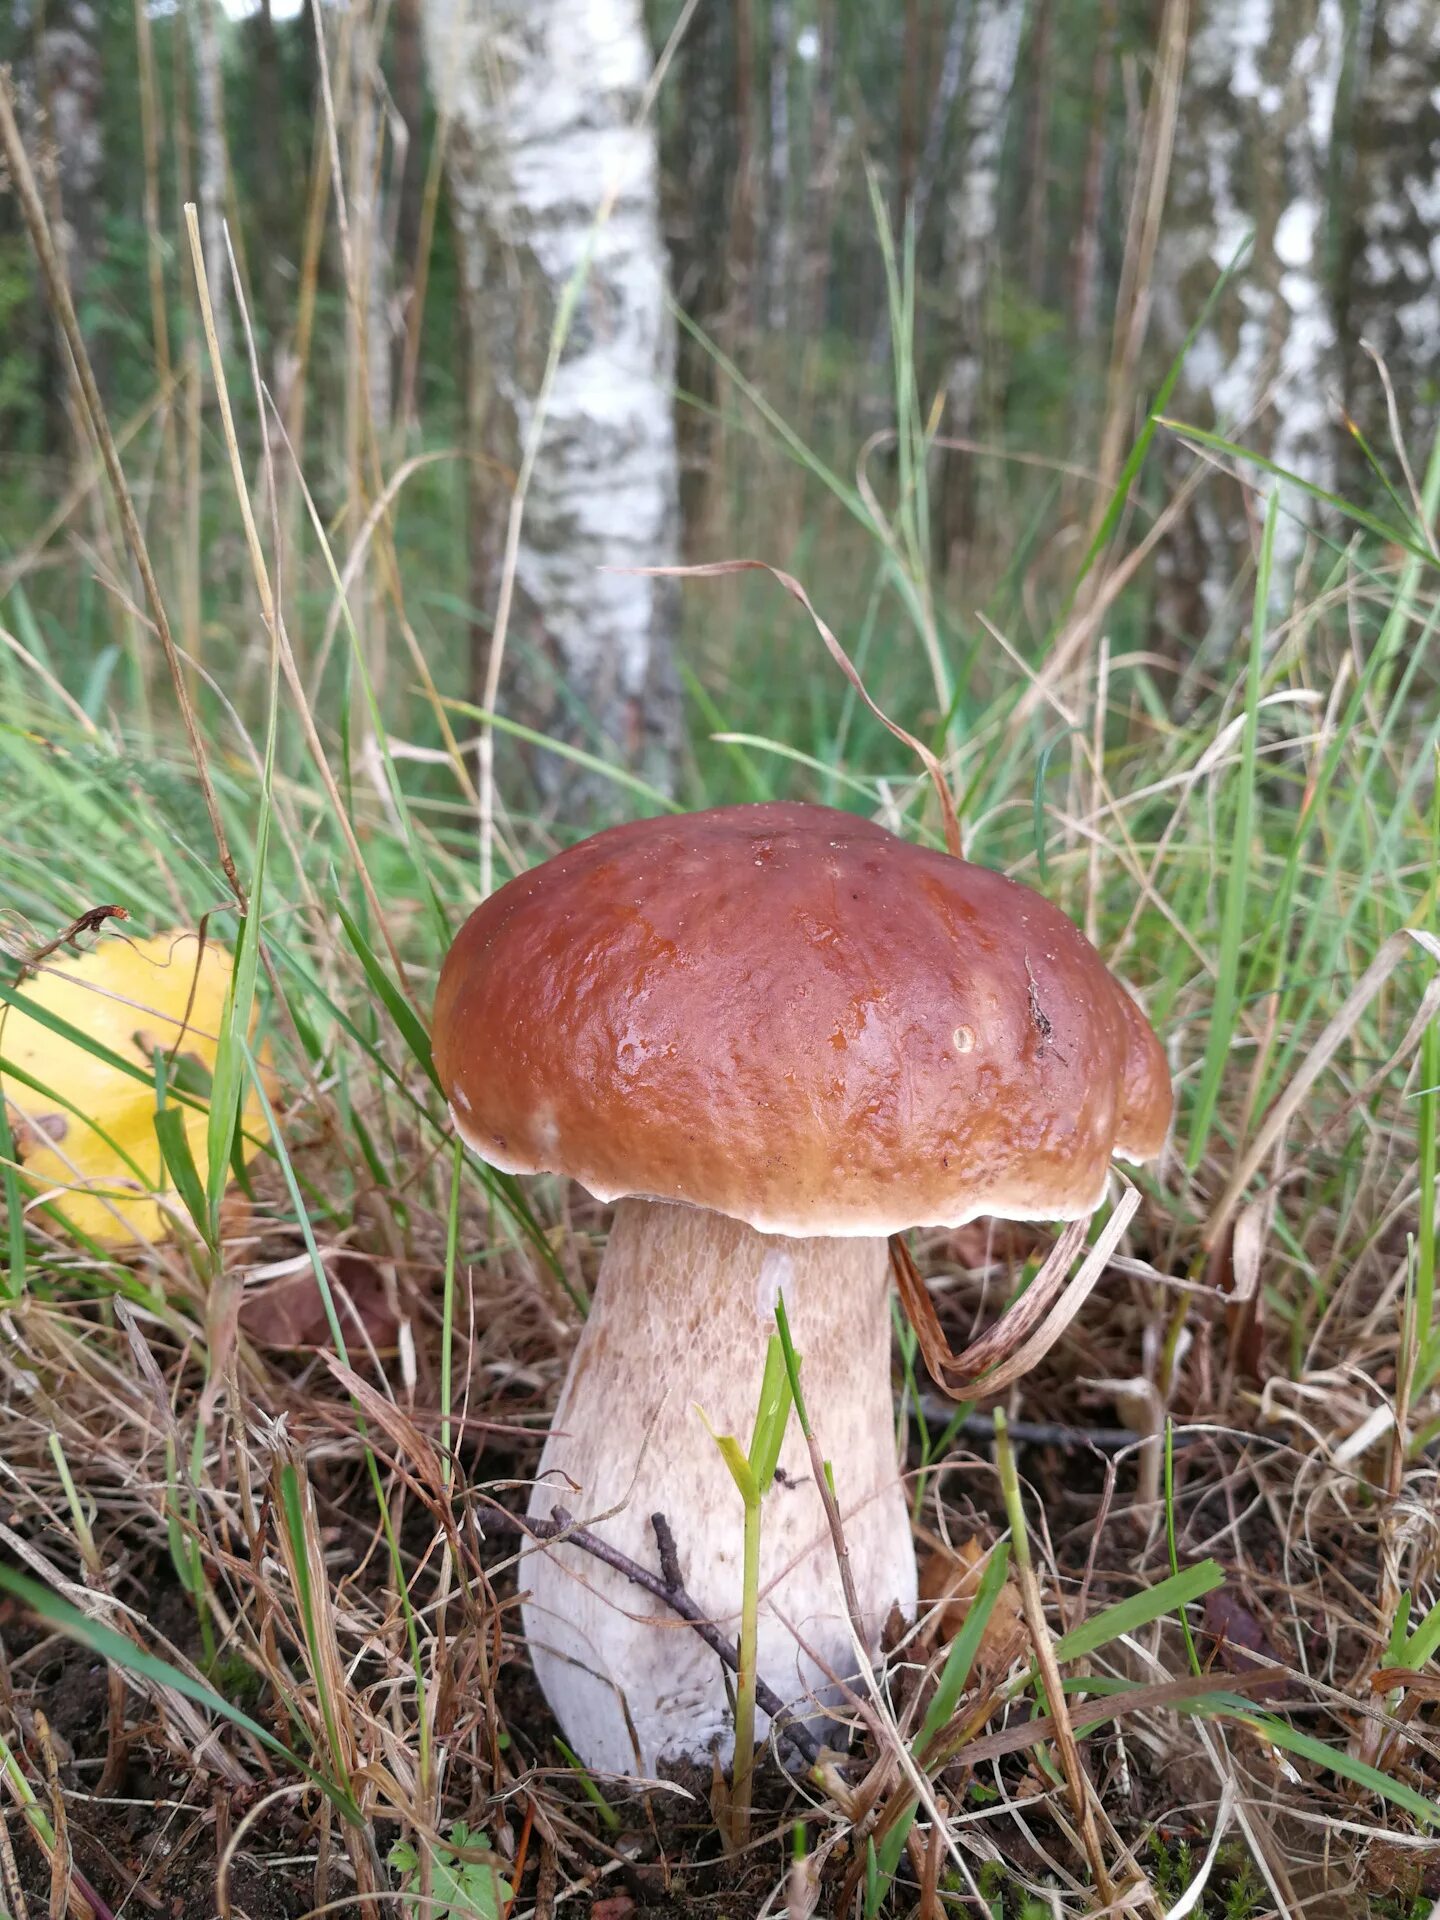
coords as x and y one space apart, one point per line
682 1315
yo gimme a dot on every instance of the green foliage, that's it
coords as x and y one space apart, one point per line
753 1471
21 403
108 1645
1234 1891
466 1882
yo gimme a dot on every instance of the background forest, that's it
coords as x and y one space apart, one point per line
1080 360
1067 187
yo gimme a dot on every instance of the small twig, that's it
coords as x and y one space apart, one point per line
545 1880
1043 1433
67 1893
669 1558
561 1526
90 921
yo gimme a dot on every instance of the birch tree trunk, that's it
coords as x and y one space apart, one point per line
1252 152
210 162
370 235
779 246
702 161
994 45
70 85
543 98
61 101
1393 246
821 174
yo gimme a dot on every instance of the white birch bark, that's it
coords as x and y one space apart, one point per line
210 162
821 176
542 99
70 86
1252 153
59 85
1393 289
370 235
995 29
947 89
778 239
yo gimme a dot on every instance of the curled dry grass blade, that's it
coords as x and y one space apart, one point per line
718 569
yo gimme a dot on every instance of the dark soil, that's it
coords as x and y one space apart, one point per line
150 1845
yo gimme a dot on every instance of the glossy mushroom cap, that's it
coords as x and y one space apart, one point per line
787 1014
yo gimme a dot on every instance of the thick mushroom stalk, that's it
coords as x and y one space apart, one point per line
681 1318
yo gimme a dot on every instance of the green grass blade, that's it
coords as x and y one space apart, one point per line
293 1500
410 1026
562 749
1172 1543
1336 1760
1402 537
180 1165
106 1644
1224 1000
955 1674
771 1417
1136 458
588 1787
14 1281
1172 1595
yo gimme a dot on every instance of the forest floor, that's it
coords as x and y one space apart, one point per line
1300 1532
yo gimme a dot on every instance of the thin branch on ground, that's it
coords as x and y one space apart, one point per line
667 1587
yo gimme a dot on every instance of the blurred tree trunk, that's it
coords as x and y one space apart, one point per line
994 44
273 226
370 233
821 175
702 163
908 155
947 90
1252 152
210 162
743 222
1085 292
1392 266
1038 88
407 84
779 242
69 81
68 87
543 100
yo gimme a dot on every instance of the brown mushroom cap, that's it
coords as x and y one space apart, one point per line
787 1014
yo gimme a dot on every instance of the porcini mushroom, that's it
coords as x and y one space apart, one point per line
775 1035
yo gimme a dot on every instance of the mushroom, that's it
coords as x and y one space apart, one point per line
774 1035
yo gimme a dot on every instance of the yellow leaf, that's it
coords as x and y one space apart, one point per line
129 996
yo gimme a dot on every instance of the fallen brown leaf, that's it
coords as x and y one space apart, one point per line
949 1577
